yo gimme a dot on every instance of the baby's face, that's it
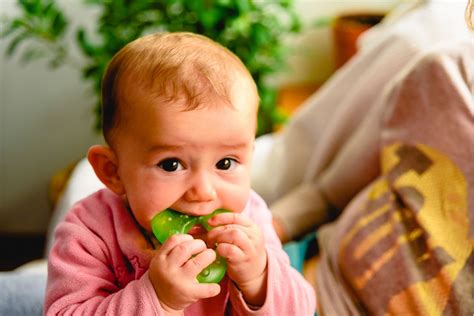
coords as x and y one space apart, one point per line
191 161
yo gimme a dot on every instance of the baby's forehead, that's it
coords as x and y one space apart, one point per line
189 85
146 111
239 95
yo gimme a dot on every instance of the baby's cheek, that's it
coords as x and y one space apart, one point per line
144 208
239 200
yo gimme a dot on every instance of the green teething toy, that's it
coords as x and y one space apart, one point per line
169 222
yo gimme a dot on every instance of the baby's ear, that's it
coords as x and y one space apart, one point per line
105 164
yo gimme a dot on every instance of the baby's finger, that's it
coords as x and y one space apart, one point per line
230 218
174 240
230 253
230 234
206 290
195 265
185 250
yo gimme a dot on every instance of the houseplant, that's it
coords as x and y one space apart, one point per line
252 30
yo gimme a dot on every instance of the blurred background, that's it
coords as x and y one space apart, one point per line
53 54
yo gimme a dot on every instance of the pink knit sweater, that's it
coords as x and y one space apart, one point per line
99 265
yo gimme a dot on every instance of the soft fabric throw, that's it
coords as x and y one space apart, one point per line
404 245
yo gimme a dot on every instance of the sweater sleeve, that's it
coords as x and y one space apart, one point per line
81 276
288 293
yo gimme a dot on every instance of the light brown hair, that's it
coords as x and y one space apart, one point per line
170 67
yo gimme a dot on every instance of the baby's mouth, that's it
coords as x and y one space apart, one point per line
197 231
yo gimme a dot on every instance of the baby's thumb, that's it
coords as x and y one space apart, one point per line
209 290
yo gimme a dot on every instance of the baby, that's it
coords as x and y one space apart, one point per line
179 119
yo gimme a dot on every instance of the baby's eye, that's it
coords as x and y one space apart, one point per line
225 164
171 165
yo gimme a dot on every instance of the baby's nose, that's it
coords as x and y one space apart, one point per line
201 189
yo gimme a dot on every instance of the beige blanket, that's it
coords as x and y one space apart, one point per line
404 245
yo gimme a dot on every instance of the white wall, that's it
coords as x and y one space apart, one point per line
45 124
312 57
46 116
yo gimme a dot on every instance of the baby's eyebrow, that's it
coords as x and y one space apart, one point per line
165 147
235 146
177 147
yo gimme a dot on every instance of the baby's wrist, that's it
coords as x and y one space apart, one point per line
255 291
169 311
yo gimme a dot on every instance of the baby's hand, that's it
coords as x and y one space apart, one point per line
173 272
240 242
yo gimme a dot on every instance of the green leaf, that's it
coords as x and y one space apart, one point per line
285 3
12 47
261 35
9 26
84 44
224 3
94 2
243 6
48 11
59 25
296 24
32 7
209 18
32 53
91 70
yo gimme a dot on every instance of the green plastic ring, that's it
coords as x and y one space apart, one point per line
169 222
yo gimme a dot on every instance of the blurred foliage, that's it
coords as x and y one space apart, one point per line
253 30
